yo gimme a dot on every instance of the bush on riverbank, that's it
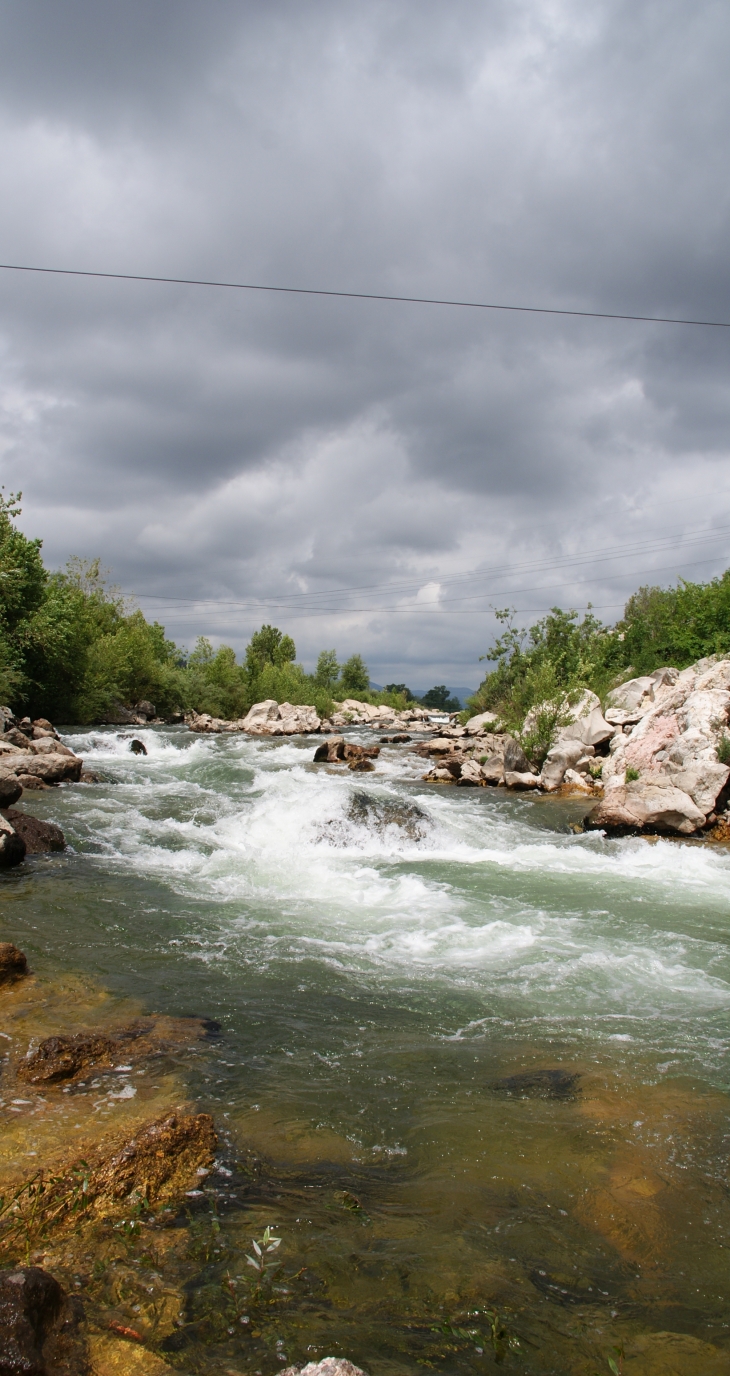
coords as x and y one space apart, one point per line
561 655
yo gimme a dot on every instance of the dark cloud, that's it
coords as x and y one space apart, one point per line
260 449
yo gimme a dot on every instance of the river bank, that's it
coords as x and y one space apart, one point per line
399 970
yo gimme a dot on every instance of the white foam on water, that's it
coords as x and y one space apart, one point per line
484 898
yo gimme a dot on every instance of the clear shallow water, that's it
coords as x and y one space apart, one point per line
376 971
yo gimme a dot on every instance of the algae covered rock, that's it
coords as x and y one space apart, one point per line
65 1058
160 1160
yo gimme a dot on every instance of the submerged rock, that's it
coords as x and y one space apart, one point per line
160 1160
361 766
66 1058
13 963
138 747
381 813
40 837
539 1084
40 1326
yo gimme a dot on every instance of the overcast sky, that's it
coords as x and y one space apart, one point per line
340 467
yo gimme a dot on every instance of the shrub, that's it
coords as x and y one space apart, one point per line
631 774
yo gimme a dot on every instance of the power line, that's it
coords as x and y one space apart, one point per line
303 613
287 601
364 296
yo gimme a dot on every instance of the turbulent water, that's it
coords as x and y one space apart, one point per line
396 969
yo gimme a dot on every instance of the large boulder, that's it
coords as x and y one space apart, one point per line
561 758
10 790
270 718
40 837
515 759
484 722
493 769
643 806
628 703
12 846
260 715
674 742
521 779
52 768
330 751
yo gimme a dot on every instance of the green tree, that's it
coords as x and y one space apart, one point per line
401 690
269 646
440 698
354 676
327 671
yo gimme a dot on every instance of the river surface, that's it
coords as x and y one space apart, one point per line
479 1062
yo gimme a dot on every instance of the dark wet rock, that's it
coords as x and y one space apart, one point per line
361 766
382 813
515 759
40 837
539 1084
40 1326
395 740
328 1366
88 776
65 1058
353 751
10 790
13 963
160 1160
32 783
330 751
12 846
138 747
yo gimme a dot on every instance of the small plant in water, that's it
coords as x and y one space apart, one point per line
631 774
262 1261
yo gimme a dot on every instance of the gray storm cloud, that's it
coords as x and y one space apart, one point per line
317 462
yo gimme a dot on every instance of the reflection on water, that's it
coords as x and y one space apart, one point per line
472 1066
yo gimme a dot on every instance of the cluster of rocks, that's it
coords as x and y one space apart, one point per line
32 756
651 758
143 713
357 757
272 718
663 773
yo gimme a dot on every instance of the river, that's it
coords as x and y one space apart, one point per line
471 1064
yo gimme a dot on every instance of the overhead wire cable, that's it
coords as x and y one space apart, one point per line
363 296
534 566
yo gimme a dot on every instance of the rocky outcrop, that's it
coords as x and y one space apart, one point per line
40 837
52 768
663 772
267 718
484 723
40 1326
13 963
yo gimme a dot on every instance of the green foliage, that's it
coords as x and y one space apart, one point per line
269 646
440 699
723 749
631 774
547 668
354 677
676 625
401 691
328 670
